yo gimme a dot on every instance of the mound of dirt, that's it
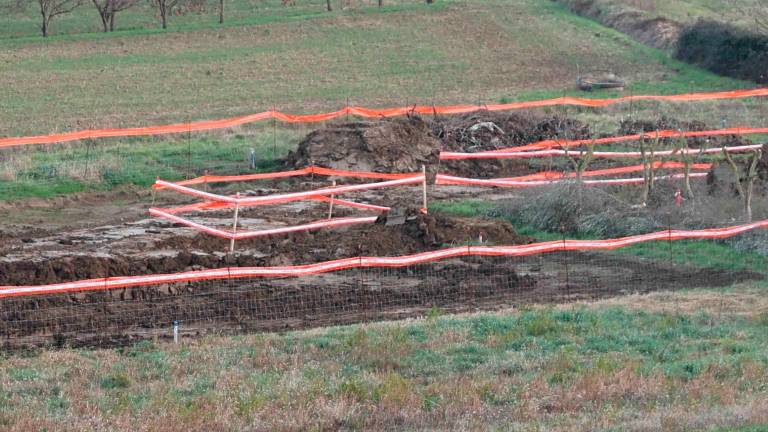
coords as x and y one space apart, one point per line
419 233
404 145
634 126
488 130
399 145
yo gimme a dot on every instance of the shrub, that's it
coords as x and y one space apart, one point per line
725 50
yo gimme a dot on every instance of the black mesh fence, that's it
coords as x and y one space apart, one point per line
467 284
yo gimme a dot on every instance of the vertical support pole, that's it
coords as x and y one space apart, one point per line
312 173
567 270
330 206
154 191
274 132
175 331
234 225
189 150
346 108
87 158
424 187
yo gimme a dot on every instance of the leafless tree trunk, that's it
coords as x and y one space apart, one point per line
745 184
580 164
164 7
52 8
688 161
109 8
221 11
328 5
381 2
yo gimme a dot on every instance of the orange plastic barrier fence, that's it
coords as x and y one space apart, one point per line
288 197
328 194
310 170
443 179
241 235
364 112
111 283
553 175
548 144
211 205
498 154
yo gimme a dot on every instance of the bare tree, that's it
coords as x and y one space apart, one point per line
108 9
580 165
221 11
648 154
328 5
745 183
164 7
688 160
53 8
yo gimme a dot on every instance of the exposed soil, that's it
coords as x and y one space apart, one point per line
634 126
107 234
468 284
405 144
150 247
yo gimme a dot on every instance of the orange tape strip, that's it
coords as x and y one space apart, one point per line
363 262
363 112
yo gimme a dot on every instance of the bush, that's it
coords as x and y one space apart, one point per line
591 211
725 50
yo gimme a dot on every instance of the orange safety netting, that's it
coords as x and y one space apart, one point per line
552 175
497 154
328 194
364 112
442 179
548 144
294 173
229 273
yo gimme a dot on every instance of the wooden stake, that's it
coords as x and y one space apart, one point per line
234 226
330 207
154 191
424 187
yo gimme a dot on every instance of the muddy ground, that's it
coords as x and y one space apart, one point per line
102 234
405 144
468 284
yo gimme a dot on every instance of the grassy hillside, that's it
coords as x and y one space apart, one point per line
303 61
732 11
684 361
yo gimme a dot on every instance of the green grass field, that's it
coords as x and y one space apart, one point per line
682 361
302 60
595 367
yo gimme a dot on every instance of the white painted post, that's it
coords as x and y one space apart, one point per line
330 207
175 332
424 187
234 226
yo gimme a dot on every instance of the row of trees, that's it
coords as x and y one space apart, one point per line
745 173
108 9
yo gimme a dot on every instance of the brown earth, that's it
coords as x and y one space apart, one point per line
119 317
150 248
634 126
405 144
